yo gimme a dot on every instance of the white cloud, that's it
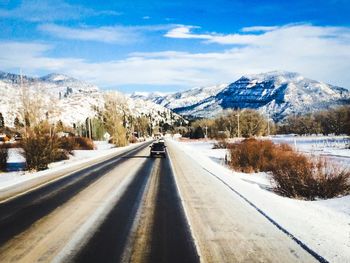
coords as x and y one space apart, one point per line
321 53
107 34
101 34
185 33
51 10
259 28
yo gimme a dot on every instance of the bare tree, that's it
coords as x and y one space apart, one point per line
114 117
35 105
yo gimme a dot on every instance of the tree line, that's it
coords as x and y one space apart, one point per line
249 123
332 121
232 123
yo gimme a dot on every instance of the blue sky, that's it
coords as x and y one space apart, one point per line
166 46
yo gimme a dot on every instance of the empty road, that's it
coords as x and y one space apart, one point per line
132 208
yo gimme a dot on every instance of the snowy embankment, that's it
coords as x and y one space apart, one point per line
323 225
78 159
335 148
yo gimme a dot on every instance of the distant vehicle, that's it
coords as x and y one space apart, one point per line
18 137
158 149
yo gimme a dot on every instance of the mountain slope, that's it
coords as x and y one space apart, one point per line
277 93
181 99
64 98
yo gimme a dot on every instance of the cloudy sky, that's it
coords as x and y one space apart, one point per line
169 45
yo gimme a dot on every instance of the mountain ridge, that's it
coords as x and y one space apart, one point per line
68 99
276 93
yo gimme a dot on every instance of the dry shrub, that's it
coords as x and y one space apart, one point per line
40 150
83 143
67 144
294 174
132 139
252 155
3 156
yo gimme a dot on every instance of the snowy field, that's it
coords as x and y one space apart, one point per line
16 161
324 225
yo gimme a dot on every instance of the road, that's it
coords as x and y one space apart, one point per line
132 208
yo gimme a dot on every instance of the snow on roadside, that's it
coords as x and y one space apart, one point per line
335 148
323 225
8 179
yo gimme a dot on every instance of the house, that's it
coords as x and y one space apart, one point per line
4 138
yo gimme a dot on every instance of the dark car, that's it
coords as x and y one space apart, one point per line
158 149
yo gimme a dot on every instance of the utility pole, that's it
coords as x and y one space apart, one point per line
90 129
23 95
268 124
238 131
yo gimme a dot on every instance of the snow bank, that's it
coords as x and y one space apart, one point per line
323 225
80 157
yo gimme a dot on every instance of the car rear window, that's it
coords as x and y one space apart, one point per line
158 146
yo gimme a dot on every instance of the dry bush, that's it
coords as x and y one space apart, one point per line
132 139
59 155
83 143
67 144
12 145
252 155
40 150
294 174
3 156
332 180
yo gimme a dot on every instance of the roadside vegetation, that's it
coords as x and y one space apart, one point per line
3 157
231 123
44 142
247 123
294 174
333 121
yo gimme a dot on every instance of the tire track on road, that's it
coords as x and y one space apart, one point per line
108 242
20 213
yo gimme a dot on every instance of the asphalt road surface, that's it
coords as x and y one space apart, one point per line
132 208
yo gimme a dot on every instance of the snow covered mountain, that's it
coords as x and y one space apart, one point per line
277 93
67 99
181 99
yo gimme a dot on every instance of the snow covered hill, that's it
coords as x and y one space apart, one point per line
276 93
181 99
66 99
